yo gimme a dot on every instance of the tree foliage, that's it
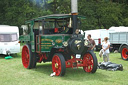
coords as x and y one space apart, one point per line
102 14
16 12
99 14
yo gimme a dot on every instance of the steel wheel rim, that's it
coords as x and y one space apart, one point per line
124 55
88 62
56 65
25 56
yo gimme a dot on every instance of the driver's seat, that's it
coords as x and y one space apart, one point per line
56 30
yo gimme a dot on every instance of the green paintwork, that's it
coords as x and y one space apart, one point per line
32 42
55 16
66 37
46 45
52 41
24 38
29 37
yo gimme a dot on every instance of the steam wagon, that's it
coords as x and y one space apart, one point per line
52 38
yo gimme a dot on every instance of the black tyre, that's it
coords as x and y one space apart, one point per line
58 64
34 59
28 59
124 52
67 56
90 62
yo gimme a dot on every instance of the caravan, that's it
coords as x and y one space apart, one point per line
9 40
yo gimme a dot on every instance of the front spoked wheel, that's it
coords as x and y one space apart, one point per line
90 62
58 64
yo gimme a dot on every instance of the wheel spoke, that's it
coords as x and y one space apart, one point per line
88 62
58 64
25 56
125 53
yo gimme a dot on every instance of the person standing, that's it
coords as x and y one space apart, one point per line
105 47
77 34
91 42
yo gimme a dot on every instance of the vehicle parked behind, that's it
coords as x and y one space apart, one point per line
98 36
119 40
9 40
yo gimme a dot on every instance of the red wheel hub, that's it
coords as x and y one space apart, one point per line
88 62
25 56
56 65
124 53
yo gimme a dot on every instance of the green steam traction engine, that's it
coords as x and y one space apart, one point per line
51 38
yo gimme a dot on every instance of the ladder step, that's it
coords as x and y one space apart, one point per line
38 43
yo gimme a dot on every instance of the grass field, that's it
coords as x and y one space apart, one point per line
12 72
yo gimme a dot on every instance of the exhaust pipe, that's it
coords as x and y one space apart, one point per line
74 12
74 7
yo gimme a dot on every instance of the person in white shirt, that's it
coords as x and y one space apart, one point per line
105 47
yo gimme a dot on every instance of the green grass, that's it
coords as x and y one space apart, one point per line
12 72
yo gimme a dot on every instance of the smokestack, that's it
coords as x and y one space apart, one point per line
74 12
74 7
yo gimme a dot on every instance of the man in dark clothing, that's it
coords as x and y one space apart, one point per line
91 42
77 34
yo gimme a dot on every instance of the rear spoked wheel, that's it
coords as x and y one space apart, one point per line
28 58
58 64
90 62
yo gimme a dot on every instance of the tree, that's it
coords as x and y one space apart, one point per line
15 12
101 14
